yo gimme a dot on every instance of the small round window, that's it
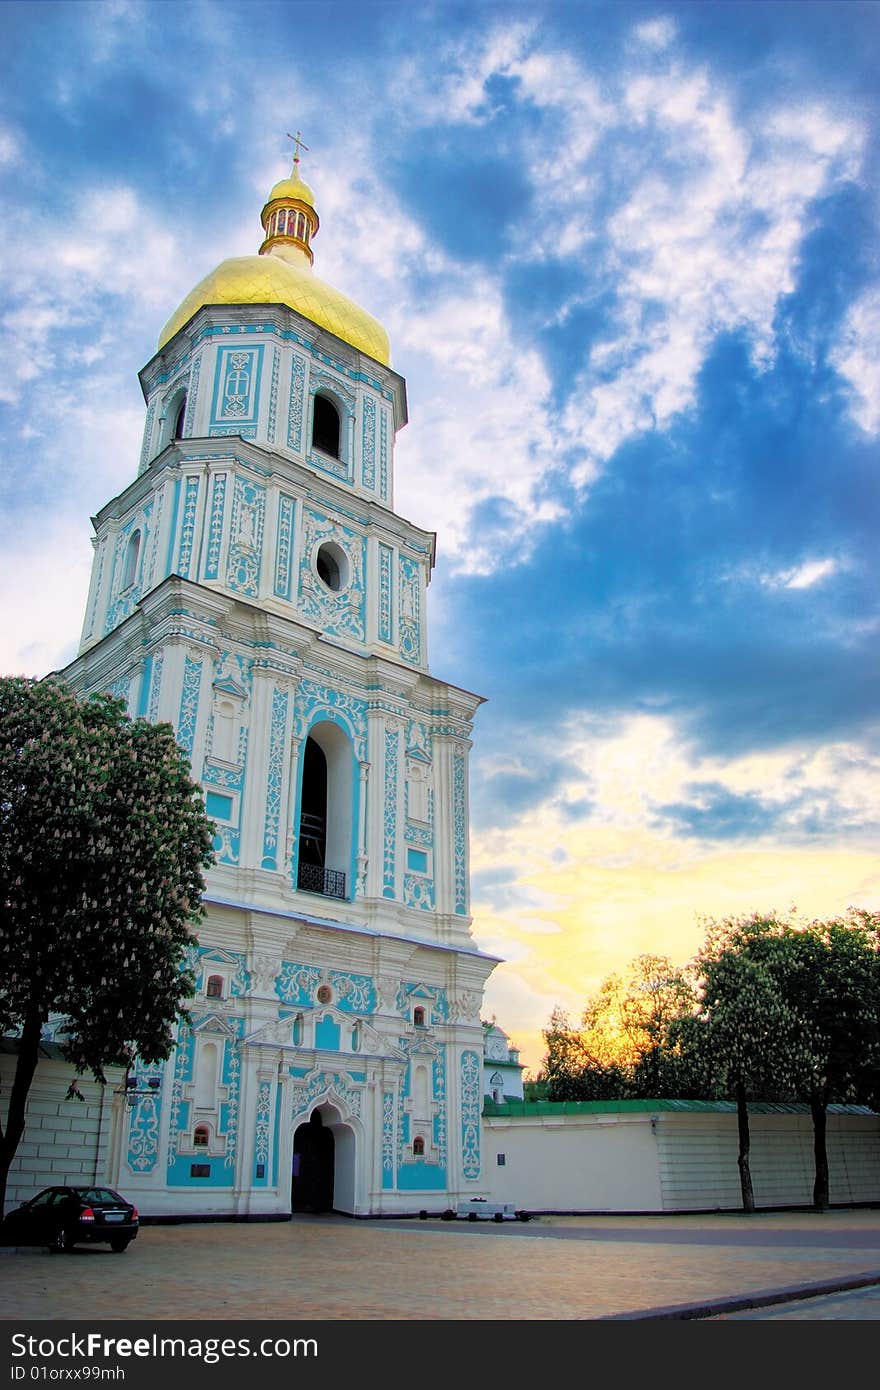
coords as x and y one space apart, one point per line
331 562
325 994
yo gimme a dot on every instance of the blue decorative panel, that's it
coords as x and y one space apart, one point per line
246 537
143 1125
323 701
148 435
327 1034
237 387
386 612
470 1114
284 547
297 401
339 612
297 984
188 527
389 845
220 807
317 1085
434 999
417 860
274 779
459 822
440 1131
183 1071
155 687
383 456
152 557
273 397
387 1140
410 621
189 704
353 993
418 892
262 1134
120 687
369 443
192 396
215 526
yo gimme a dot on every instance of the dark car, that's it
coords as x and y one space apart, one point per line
62 1217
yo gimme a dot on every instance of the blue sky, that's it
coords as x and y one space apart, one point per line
627 256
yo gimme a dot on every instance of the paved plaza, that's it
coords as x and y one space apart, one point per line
560 1267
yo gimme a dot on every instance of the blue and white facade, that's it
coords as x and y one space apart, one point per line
254 587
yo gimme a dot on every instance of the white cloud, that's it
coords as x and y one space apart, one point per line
856 356
656 33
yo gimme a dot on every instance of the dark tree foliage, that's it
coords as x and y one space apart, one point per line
103 840
827 975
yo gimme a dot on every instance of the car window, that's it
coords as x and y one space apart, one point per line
101 1194
59 1195
42 1199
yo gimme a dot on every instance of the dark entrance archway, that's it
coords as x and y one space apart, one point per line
314 1159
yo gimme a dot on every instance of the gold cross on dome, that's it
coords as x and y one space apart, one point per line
298 145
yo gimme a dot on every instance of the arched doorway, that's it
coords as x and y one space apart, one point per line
314 1162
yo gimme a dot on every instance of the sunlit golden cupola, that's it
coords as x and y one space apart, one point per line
289 218
281 273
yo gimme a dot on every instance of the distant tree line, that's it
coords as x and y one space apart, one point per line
772 1008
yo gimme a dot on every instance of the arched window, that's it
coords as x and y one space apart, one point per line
325 426
180 418
418 1146
201 1137
419 1016
326 820
298 1030
356 1037
214 988
132 551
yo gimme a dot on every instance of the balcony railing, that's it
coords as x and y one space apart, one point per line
312 878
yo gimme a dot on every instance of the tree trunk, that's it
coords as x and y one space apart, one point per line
819 1111
26 1065
742 1120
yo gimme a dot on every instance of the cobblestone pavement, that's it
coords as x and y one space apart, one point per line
585 1267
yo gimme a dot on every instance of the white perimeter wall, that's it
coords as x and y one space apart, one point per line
65 1141
683 1162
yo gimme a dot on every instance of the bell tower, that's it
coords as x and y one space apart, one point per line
254 587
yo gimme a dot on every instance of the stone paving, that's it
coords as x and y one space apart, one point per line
317 1268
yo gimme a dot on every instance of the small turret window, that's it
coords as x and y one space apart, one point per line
325 426
418 1146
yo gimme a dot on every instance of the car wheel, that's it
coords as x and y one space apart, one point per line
60 1242
119 1244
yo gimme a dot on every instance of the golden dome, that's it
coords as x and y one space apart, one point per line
282 274
293 187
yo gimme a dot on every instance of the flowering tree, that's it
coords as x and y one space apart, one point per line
103 839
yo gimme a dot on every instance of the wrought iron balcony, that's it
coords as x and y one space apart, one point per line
313 878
